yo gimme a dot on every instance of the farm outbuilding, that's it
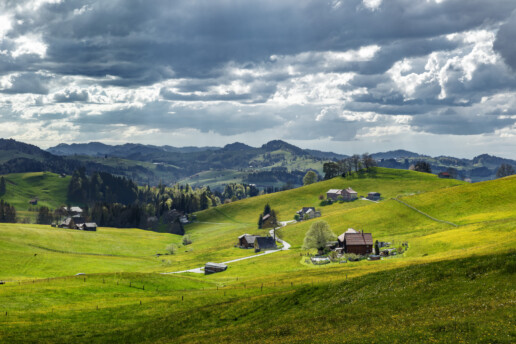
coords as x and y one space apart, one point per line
246 240
264 243
211 268
373 196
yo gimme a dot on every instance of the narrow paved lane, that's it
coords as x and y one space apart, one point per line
285 247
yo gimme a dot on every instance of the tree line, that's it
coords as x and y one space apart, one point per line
347 166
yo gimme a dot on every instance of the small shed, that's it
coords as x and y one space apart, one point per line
373 196
33 201
89 226
445 175
211 268
264 243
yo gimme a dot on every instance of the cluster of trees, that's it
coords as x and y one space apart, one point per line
2 186
270 221
118 202
276 176
234 192
344 167
101 187
505 170
7 212
45 216
422 166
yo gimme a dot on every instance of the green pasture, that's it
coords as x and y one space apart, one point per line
453 284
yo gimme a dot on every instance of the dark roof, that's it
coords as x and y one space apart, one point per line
349 191
374 193
265 242
248 237
215 265
357 239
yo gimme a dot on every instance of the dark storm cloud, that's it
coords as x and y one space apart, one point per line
452 122
219 119
504 43
144 42
216 66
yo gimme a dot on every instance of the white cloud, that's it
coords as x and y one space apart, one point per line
29 44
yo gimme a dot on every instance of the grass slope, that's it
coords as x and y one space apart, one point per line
455 283
49 188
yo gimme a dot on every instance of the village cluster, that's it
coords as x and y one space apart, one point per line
75 220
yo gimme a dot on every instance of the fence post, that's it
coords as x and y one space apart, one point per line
182 297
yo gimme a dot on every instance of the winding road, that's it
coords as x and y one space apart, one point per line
285 247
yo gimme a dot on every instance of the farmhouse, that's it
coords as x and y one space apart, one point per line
357 243
264 243
347 194
73 210
333 194
309 212
246 240
77 222
340 238
446 175
373 196
211 268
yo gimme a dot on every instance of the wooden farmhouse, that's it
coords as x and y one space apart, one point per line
309 212
333 194
347 194
356 242
246 240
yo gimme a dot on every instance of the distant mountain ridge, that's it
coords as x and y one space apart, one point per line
274 162
99 149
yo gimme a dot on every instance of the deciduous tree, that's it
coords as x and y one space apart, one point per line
309 178
318 236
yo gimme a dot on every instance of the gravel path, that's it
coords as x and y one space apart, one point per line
285 247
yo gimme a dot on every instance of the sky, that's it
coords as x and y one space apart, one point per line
432 76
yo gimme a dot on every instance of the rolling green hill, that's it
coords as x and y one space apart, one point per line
49 188
454 283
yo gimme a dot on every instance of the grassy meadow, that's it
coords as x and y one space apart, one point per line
49 188
453 284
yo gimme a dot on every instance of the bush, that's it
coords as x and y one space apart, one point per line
171 249
353 257
187 240
297 217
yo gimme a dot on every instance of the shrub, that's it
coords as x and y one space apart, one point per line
187 240
297 217
171 249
